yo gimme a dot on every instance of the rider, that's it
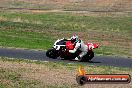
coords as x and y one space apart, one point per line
79 44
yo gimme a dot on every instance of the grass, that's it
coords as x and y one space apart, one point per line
24 41
39 31
20 73
13 79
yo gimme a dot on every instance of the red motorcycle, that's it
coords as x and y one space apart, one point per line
61 49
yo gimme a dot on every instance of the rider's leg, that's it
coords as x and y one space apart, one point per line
81 55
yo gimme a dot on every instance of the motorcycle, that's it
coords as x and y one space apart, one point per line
61 49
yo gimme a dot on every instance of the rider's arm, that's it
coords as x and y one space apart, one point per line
75 49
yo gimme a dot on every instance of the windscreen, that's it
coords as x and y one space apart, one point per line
61 42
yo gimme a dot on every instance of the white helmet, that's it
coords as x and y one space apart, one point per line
74 38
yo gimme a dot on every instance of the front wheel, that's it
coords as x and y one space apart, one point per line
51 53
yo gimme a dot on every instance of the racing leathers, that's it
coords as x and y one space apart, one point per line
82 47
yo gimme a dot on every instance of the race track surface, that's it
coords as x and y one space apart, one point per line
40 55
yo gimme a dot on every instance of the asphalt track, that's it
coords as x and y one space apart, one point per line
40 55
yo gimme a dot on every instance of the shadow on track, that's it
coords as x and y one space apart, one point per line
86 61
94 62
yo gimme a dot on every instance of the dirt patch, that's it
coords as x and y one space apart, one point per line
91 5
41 72
50 76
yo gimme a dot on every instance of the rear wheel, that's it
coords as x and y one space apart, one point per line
91 55
81 59
88 57
52 53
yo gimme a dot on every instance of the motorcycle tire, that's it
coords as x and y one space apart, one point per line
87 57
91 56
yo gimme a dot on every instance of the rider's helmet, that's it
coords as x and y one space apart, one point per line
74 39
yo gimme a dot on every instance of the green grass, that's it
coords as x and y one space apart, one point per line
67 22
24 41
39 31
